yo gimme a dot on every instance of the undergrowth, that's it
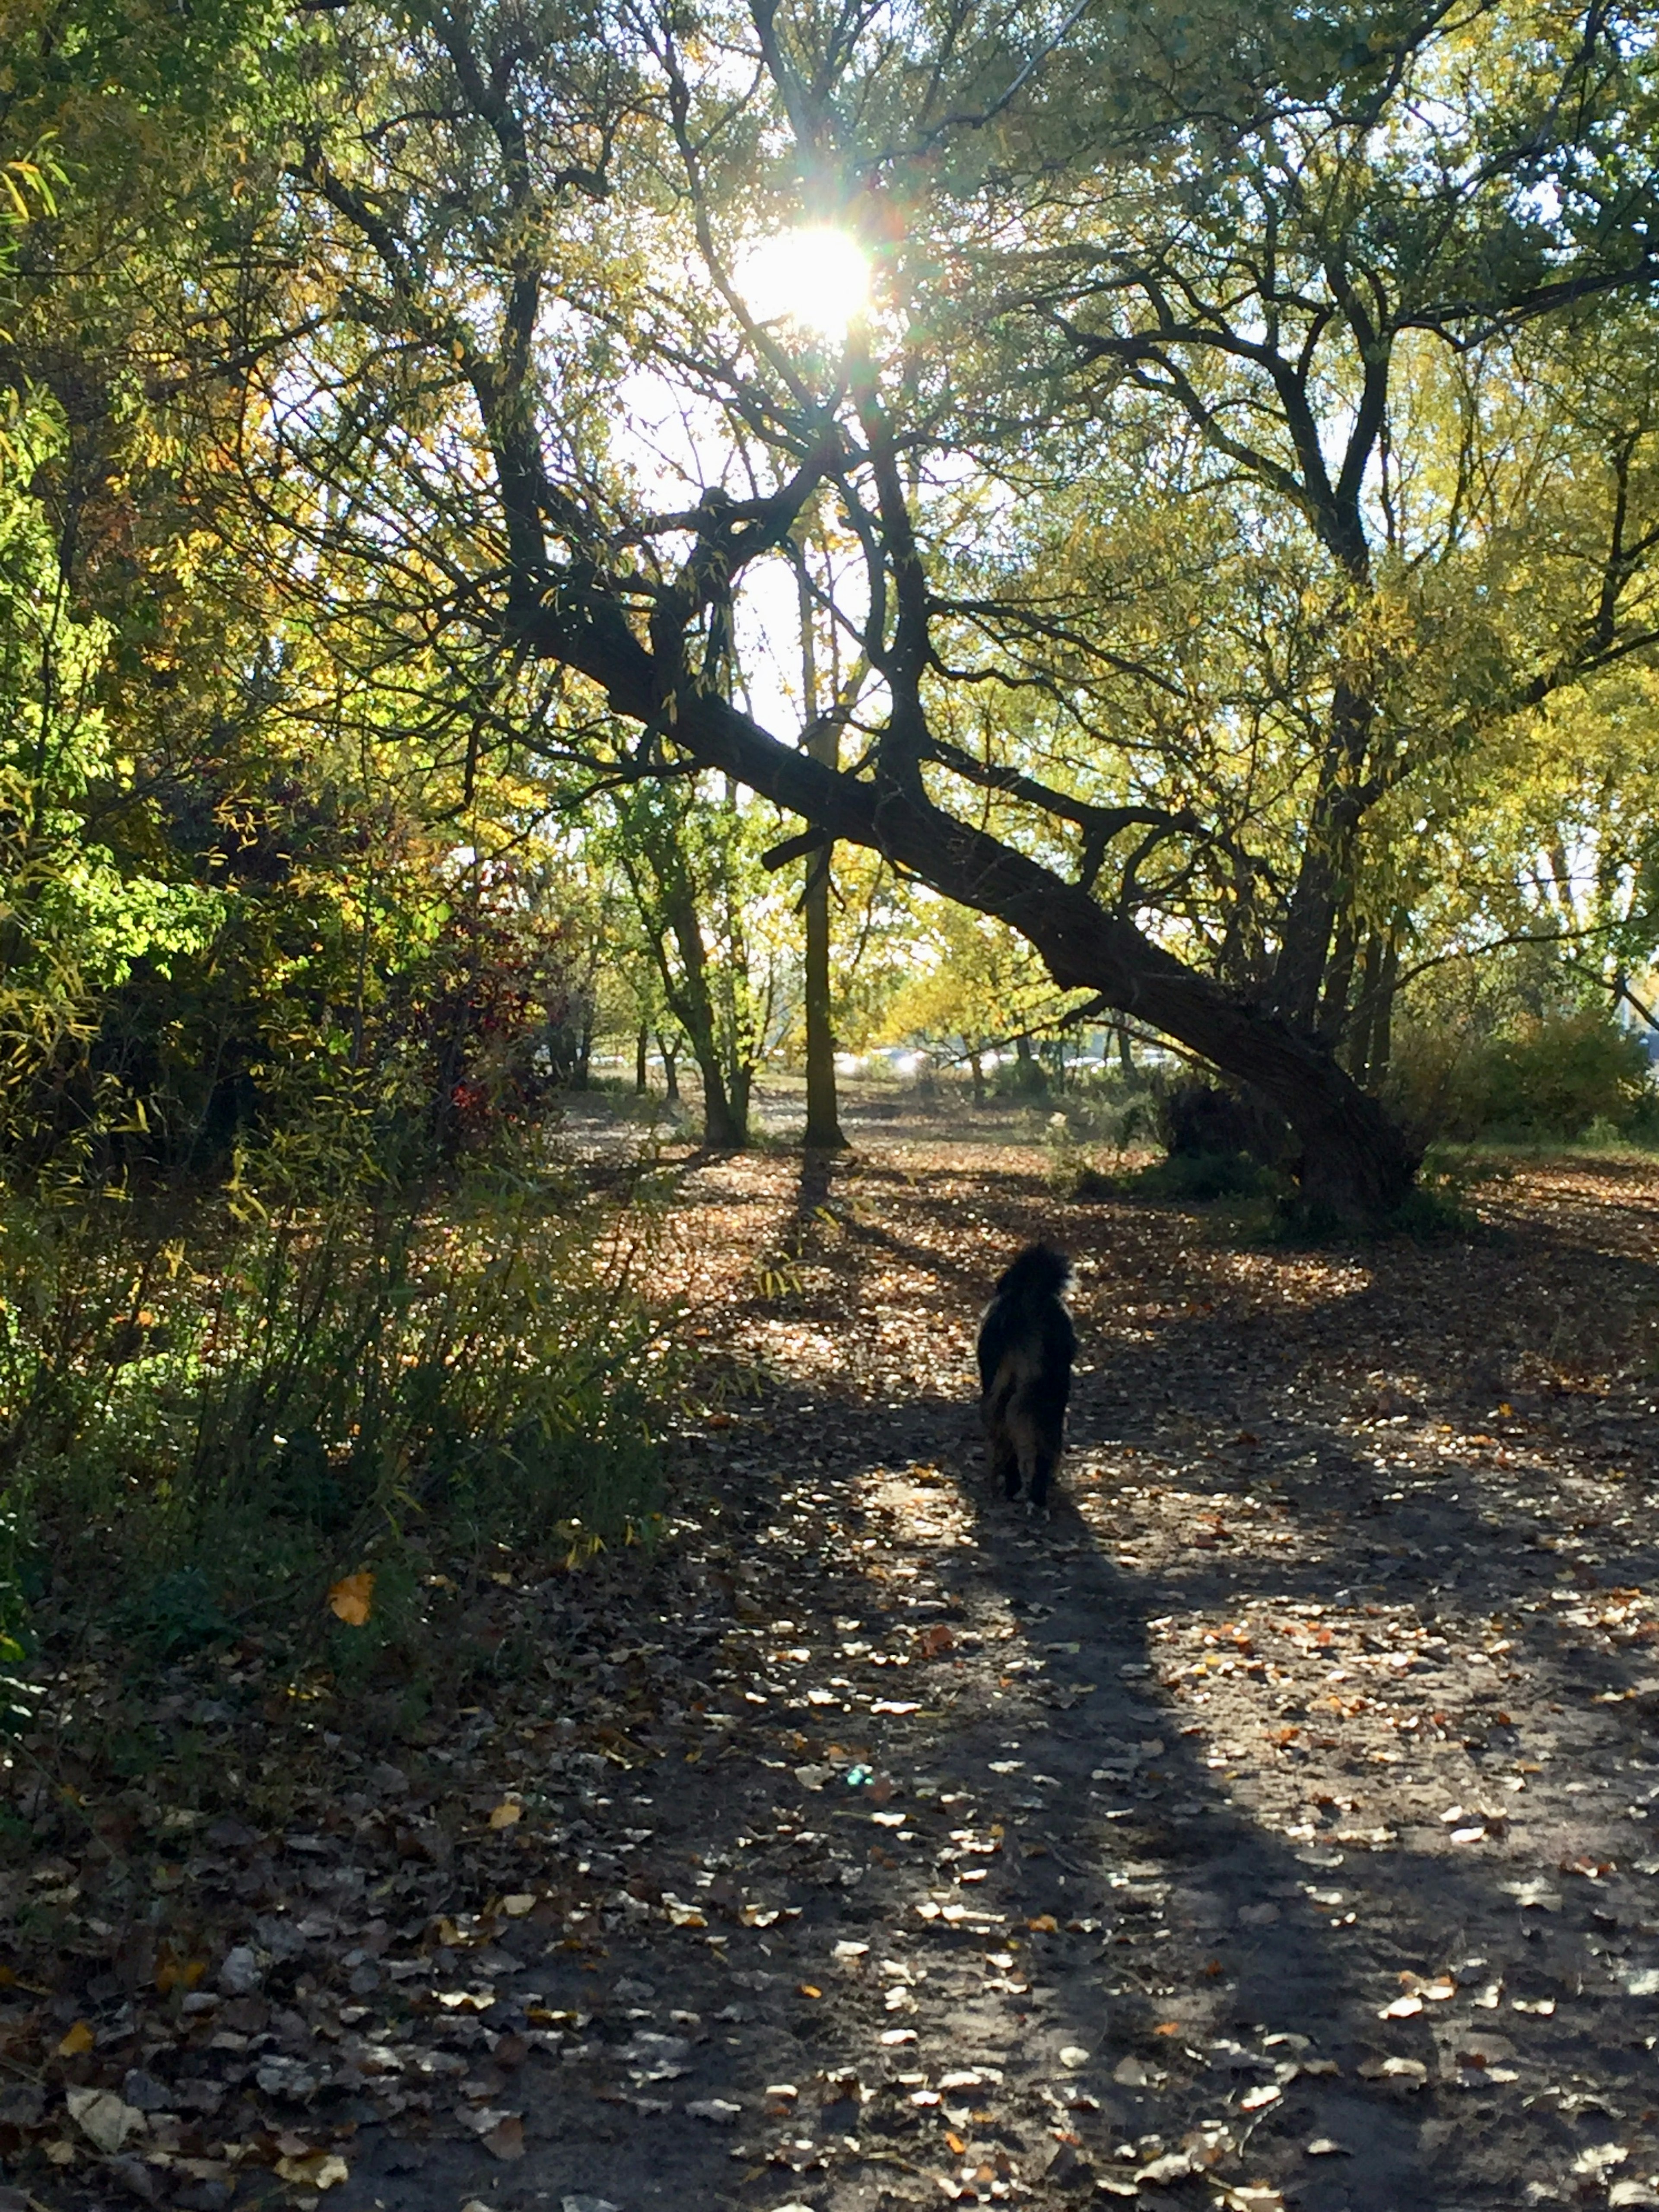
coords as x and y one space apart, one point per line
212 1411
1261 1203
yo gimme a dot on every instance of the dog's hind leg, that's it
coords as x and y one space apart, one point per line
1042 1452
1025 1448
999 1410
1004 1462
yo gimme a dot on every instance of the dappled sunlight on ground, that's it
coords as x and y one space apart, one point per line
1271 1827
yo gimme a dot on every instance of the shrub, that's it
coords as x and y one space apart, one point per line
1218 1144
1549 1076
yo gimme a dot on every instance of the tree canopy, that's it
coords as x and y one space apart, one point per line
1226 526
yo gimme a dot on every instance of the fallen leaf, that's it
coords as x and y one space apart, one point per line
1533 1896
1174 2166
80 2038
102 2118
1410 2070
316 2169
505 2140
507 1813
352 1599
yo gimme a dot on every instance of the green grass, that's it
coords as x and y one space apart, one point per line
1493 1153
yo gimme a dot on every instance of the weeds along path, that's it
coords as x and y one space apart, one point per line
1273 1825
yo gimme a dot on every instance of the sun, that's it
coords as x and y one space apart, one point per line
818 280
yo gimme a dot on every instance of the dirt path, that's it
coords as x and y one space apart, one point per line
1273 1825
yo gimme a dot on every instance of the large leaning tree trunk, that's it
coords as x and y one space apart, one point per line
1356 1165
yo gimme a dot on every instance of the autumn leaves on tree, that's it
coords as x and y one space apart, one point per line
1218 543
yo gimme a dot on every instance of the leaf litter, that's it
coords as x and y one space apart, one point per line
1188 1847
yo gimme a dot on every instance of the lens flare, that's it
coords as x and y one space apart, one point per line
818 280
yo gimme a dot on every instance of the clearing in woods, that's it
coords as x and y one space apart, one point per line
1273 1825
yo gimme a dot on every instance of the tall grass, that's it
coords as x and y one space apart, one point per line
210 1410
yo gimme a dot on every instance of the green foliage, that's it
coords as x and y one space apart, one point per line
1298 625
1550 1075
973 987
210 1414
1434 1211
707 918
1202 1177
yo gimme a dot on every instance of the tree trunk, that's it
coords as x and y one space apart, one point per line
739 1091
671 1069
1338 982
725 1118
1370 1041
670 909
824 1132
823 744
1324 885
1029 1080
722 1130
641 1045
1356 1166
1381 1039
976 1066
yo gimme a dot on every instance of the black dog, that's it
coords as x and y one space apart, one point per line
1026 1347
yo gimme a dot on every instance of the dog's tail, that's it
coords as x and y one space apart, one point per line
1038 1273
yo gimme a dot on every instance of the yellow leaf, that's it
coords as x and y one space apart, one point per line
506 1814
807 1990
352 1599
316 2169
78 2039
